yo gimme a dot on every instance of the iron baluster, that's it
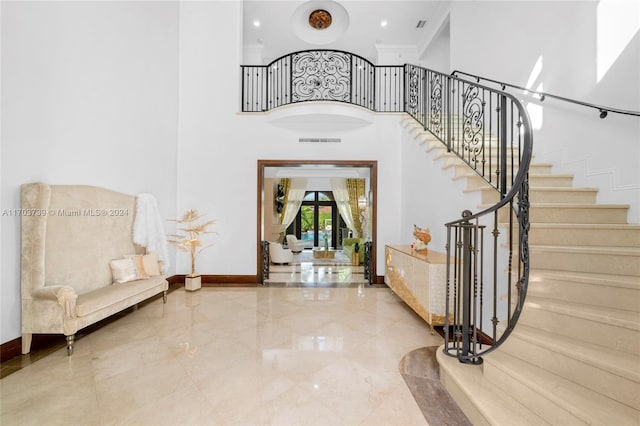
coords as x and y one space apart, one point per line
265 260
503 145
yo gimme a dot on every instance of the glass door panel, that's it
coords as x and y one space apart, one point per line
325 216
307 226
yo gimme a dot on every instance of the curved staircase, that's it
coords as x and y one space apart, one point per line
574 356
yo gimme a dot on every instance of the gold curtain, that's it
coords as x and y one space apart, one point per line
285 182
355 188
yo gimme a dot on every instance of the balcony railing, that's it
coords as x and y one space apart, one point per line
488 272
322 75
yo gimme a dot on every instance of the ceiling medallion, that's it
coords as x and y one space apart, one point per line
320 19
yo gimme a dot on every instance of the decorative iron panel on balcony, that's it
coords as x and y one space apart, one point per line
322 75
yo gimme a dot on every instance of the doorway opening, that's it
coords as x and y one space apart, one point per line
318 218
318 214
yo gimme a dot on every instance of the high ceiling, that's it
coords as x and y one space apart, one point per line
278 21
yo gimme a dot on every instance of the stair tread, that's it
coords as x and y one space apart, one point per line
610 226
587 405
549 189
580 206
624 281
494 403
619 363
621 250
473 175
542 164
617 317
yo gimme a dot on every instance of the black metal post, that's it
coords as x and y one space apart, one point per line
503 146
265 260
368 258
466 283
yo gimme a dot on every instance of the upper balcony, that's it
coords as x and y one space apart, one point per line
322 75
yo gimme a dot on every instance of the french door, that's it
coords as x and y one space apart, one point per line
318 217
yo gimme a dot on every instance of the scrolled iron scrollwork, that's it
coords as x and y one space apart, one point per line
524 220
265 260
473 122
321 75
368 262
414 82
435 113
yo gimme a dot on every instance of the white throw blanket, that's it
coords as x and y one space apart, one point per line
148 228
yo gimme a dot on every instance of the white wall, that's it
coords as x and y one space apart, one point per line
505 41
89 96
430 196
437 54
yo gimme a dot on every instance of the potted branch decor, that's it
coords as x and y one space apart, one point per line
189 241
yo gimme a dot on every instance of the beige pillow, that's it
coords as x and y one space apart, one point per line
151 264
140 270
123 270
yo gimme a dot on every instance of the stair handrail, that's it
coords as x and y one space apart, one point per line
604 110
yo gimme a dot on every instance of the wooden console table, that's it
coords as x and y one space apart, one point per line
419 280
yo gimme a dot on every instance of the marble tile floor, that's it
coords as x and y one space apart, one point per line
266 355
315 272
316 275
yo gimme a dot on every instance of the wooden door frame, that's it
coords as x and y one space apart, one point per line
373 177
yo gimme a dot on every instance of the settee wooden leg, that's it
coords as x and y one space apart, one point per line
70 340
26 343
164 297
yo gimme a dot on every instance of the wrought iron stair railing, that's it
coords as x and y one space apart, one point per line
488 272
489 129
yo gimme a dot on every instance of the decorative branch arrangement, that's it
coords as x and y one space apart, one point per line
189 240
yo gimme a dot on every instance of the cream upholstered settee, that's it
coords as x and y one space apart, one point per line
70 235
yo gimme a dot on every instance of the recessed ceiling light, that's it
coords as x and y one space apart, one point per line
256 23
383 23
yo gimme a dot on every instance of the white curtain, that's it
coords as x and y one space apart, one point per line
341 197
297 189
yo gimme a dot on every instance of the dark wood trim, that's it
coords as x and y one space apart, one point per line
373 176
379 279
222 280
230 280
175 280
259 195
11 349
374 217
